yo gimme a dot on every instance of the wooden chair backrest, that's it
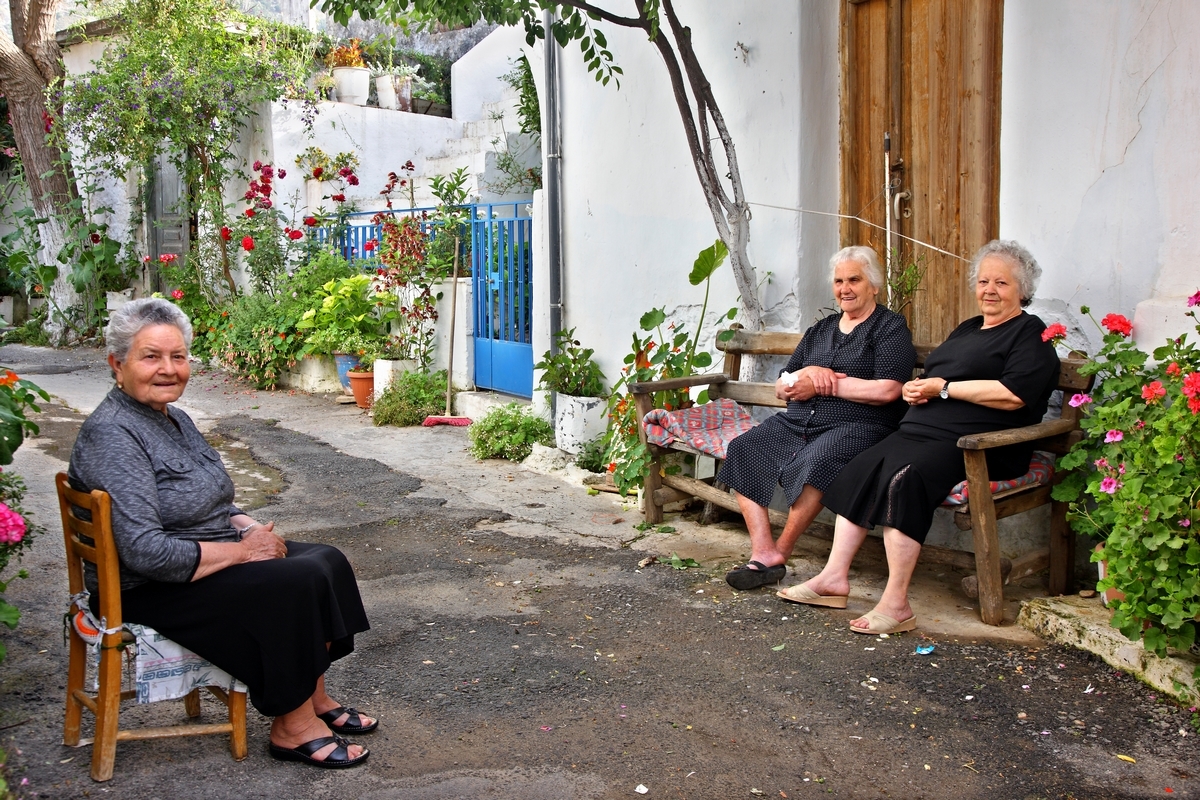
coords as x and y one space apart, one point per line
91 540
783 343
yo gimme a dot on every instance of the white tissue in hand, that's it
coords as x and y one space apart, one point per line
788 378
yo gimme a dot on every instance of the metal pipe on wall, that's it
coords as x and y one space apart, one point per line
552 142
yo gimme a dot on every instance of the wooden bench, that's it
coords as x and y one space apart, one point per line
978 515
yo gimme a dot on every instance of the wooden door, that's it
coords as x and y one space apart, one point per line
170 220
927 72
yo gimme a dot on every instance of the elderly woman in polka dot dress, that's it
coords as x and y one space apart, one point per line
842 387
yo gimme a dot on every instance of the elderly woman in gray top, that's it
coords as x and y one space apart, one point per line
194 567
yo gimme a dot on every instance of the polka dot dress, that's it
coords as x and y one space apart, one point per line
815 438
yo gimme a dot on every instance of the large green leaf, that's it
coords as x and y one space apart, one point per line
707 262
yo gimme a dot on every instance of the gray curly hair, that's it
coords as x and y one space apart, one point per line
863 255
1024 266
127 321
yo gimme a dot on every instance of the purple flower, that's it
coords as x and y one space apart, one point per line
1113 436
1109 486
1078 400
1194 300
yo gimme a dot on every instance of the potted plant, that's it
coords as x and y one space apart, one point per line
1132 482
393 86
349 308
362 375
570 372
390 363
350 73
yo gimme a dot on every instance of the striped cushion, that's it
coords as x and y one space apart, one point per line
1041 470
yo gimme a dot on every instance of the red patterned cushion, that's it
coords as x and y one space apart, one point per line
708 428
1041 470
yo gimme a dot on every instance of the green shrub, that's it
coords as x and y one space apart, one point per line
509 432
31 332
411 398
591 457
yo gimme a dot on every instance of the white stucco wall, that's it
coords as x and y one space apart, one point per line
634 215
1100 158
475 78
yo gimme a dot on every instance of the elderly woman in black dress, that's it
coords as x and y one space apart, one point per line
194 567
993 372
842 387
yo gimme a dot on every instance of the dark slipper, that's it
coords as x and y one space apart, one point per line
754 575
353 723
338 759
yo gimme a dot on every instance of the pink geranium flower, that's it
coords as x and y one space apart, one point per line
1113 436
1109 485
12 526
1153 392
1078 400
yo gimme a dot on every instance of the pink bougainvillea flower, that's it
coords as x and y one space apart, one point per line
1153 392
1054 333
12 526
1194 300
294 235
1113 436
1173 369
1191 384
1078 400
1116 323
247 243
1109 485
176 294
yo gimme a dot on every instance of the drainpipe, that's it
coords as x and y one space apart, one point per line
551 141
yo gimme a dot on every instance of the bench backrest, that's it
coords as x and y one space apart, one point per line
783 343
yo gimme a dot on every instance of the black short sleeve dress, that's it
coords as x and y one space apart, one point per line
813 440
267 623
901 481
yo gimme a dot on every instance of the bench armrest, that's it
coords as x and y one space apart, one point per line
1030 433
650 387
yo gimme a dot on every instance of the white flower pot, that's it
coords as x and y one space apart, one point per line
353 84
385 90
387 371
578 420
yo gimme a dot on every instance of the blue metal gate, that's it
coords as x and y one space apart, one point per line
502 266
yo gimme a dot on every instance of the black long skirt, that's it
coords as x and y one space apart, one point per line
266 623
901 481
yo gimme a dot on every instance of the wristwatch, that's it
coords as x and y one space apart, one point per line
945 392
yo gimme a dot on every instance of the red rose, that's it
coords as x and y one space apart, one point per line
294 235
352 180
225 233
268 172
282 174
369 245
318 172
1117 324
247 243
345 172
249 212
310 221
338 198
257 166
264 203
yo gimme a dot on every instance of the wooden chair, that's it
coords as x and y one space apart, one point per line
979 515
92 541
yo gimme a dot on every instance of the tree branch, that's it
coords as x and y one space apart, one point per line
40 44
625 22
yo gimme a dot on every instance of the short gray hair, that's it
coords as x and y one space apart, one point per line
129 320
1024 266
863 255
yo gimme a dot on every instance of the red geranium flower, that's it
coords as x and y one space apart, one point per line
247 243
1117 324
1191 384
226 232
177 294
1054 333
1173 369
1153 392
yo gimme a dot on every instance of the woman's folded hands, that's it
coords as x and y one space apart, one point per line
261 543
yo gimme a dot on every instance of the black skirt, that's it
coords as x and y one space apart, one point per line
901 481
266 623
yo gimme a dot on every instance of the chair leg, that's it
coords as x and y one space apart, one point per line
191 703
76 674
237 719
108 708
1062 551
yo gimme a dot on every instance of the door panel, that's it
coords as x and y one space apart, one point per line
945 133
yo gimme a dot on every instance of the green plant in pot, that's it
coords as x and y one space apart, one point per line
351 316
573 375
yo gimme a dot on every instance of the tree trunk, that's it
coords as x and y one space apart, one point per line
29 61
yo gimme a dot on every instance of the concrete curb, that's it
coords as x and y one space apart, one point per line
1084 624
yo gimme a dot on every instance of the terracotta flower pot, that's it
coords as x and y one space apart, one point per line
1108 595
363 386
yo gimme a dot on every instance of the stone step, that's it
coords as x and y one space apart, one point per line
476 404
